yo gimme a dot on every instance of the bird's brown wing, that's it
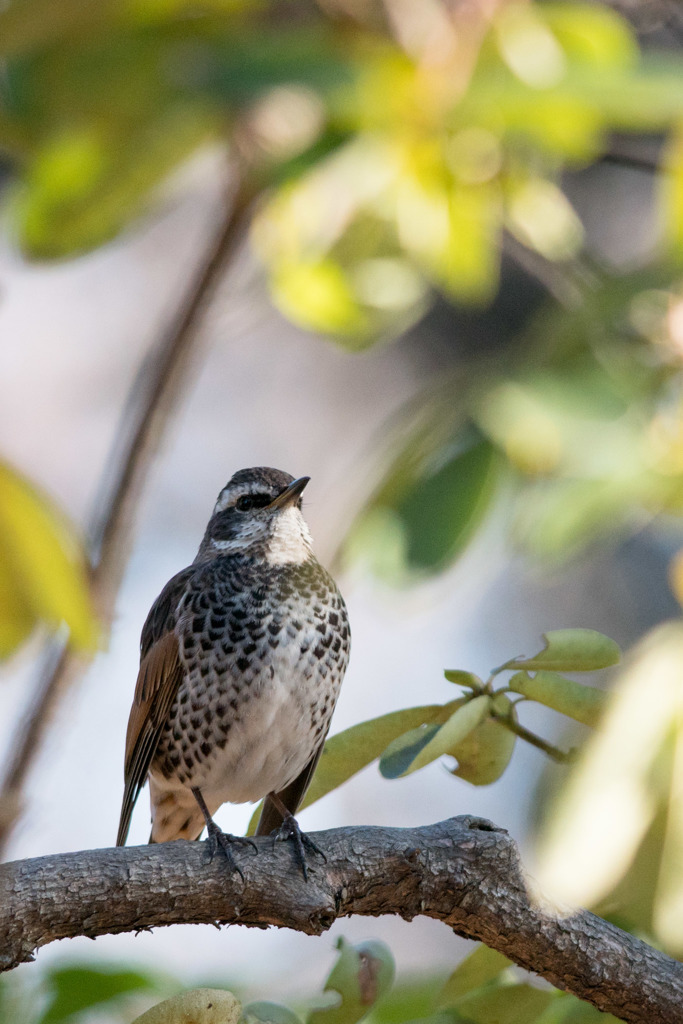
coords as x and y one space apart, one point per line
291 796
160 675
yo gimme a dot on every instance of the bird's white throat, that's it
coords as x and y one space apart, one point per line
290 542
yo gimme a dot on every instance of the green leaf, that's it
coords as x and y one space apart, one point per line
444 507
362 974
353 749
484 755
576 700
451 229
243 63
592 34
407 1001
17 617
42 563
263 1012
480 968
85 185
418 747
571 650
74 989
319 296
505 1004
672 194
462 678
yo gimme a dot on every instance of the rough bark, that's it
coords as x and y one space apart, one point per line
464 872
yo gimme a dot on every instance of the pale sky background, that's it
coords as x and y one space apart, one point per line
71 338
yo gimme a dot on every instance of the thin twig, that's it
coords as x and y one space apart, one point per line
154 395
563 757
464 872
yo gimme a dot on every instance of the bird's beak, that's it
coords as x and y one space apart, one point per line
291 494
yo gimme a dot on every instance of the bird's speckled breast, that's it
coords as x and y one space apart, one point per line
264 651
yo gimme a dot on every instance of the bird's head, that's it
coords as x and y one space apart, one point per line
258 513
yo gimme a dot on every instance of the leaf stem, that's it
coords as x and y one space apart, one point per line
561 756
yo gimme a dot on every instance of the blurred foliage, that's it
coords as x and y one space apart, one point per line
459 136
580 427
78 992
484 988
72 990
43 575
393 154
199 1006
615 839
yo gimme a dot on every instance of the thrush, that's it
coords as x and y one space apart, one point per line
241 659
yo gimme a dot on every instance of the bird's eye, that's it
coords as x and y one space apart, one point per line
249 501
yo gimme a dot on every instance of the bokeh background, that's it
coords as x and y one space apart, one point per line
455 304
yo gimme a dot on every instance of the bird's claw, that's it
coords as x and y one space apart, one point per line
291 830
219 840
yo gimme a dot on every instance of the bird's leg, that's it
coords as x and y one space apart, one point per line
217 838
290 829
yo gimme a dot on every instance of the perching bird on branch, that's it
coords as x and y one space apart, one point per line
242 658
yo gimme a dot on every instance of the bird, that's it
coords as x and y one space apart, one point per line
242 656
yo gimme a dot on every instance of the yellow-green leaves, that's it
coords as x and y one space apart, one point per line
571 650
318 295
414 161
484 754
42 570
420 746
200 1006
474 735
672 195
438 163
87 183
582 703
480 730
627 782
463 678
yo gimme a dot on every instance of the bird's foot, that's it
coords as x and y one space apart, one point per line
217 839
223 841
291 830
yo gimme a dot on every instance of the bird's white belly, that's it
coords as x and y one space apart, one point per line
266 749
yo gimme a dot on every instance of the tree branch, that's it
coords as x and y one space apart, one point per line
464 872
152 399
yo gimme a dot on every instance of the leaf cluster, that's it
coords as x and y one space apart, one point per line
484 987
